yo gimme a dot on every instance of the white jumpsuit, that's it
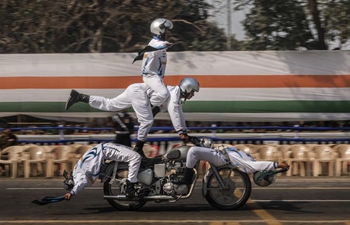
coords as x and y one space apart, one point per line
173 105
137 95
239 158
87 169
153 70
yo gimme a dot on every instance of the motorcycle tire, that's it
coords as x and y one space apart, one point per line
237 193
115 189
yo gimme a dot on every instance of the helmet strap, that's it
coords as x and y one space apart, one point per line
162 36
185 95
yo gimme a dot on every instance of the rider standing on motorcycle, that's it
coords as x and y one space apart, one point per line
155 59
217 156
87 169
185 90
138 96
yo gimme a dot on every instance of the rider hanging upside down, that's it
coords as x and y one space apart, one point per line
239 158
87 169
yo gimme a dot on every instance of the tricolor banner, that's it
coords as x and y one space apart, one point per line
235 86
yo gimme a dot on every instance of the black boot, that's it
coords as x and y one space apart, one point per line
76 97
130 189
139 148
155 110
187 178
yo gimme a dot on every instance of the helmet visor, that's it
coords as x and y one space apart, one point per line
168 25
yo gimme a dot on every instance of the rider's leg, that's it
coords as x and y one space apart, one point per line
118 103
130 189
160 91
195 154
248 164
125 154
144 116
76 97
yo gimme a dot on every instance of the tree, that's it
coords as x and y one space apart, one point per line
338 21
293 24
78 26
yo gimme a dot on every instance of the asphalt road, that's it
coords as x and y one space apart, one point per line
322 200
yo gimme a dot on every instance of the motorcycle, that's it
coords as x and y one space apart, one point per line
224 187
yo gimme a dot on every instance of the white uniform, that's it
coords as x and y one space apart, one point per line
153 70
239 158
134 96
88 167
138 95
173 105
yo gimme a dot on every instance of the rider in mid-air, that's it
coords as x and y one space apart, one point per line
137 96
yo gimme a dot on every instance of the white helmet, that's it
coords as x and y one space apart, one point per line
187 85
158 26
264 178
206 142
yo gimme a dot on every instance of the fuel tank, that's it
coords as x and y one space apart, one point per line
178 153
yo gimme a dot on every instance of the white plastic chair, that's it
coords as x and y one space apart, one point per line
285 151
269 153
341 162
36 159
323 155
299 160
60 155
14 158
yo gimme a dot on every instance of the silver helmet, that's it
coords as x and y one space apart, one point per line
264 178
158 26
206 142
187 85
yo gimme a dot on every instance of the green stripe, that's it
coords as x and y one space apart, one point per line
200 106
268 106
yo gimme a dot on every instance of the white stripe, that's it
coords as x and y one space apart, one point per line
179 63
272 94
205 94
51 95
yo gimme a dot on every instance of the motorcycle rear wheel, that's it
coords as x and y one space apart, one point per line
237 193
116 189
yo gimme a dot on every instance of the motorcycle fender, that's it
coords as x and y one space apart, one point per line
106 170
205 182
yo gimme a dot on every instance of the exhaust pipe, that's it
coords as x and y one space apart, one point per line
154 197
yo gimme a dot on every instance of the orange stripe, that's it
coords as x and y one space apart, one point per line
215 81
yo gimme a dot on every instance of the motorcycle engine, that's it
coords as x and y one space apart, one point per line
175 189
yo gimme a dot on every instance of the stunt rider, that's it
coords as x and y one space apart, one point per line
239 158
137 96
154 61
87 169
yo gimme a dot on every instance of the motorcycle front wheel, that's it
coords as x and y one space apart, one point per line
118 188
236 193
